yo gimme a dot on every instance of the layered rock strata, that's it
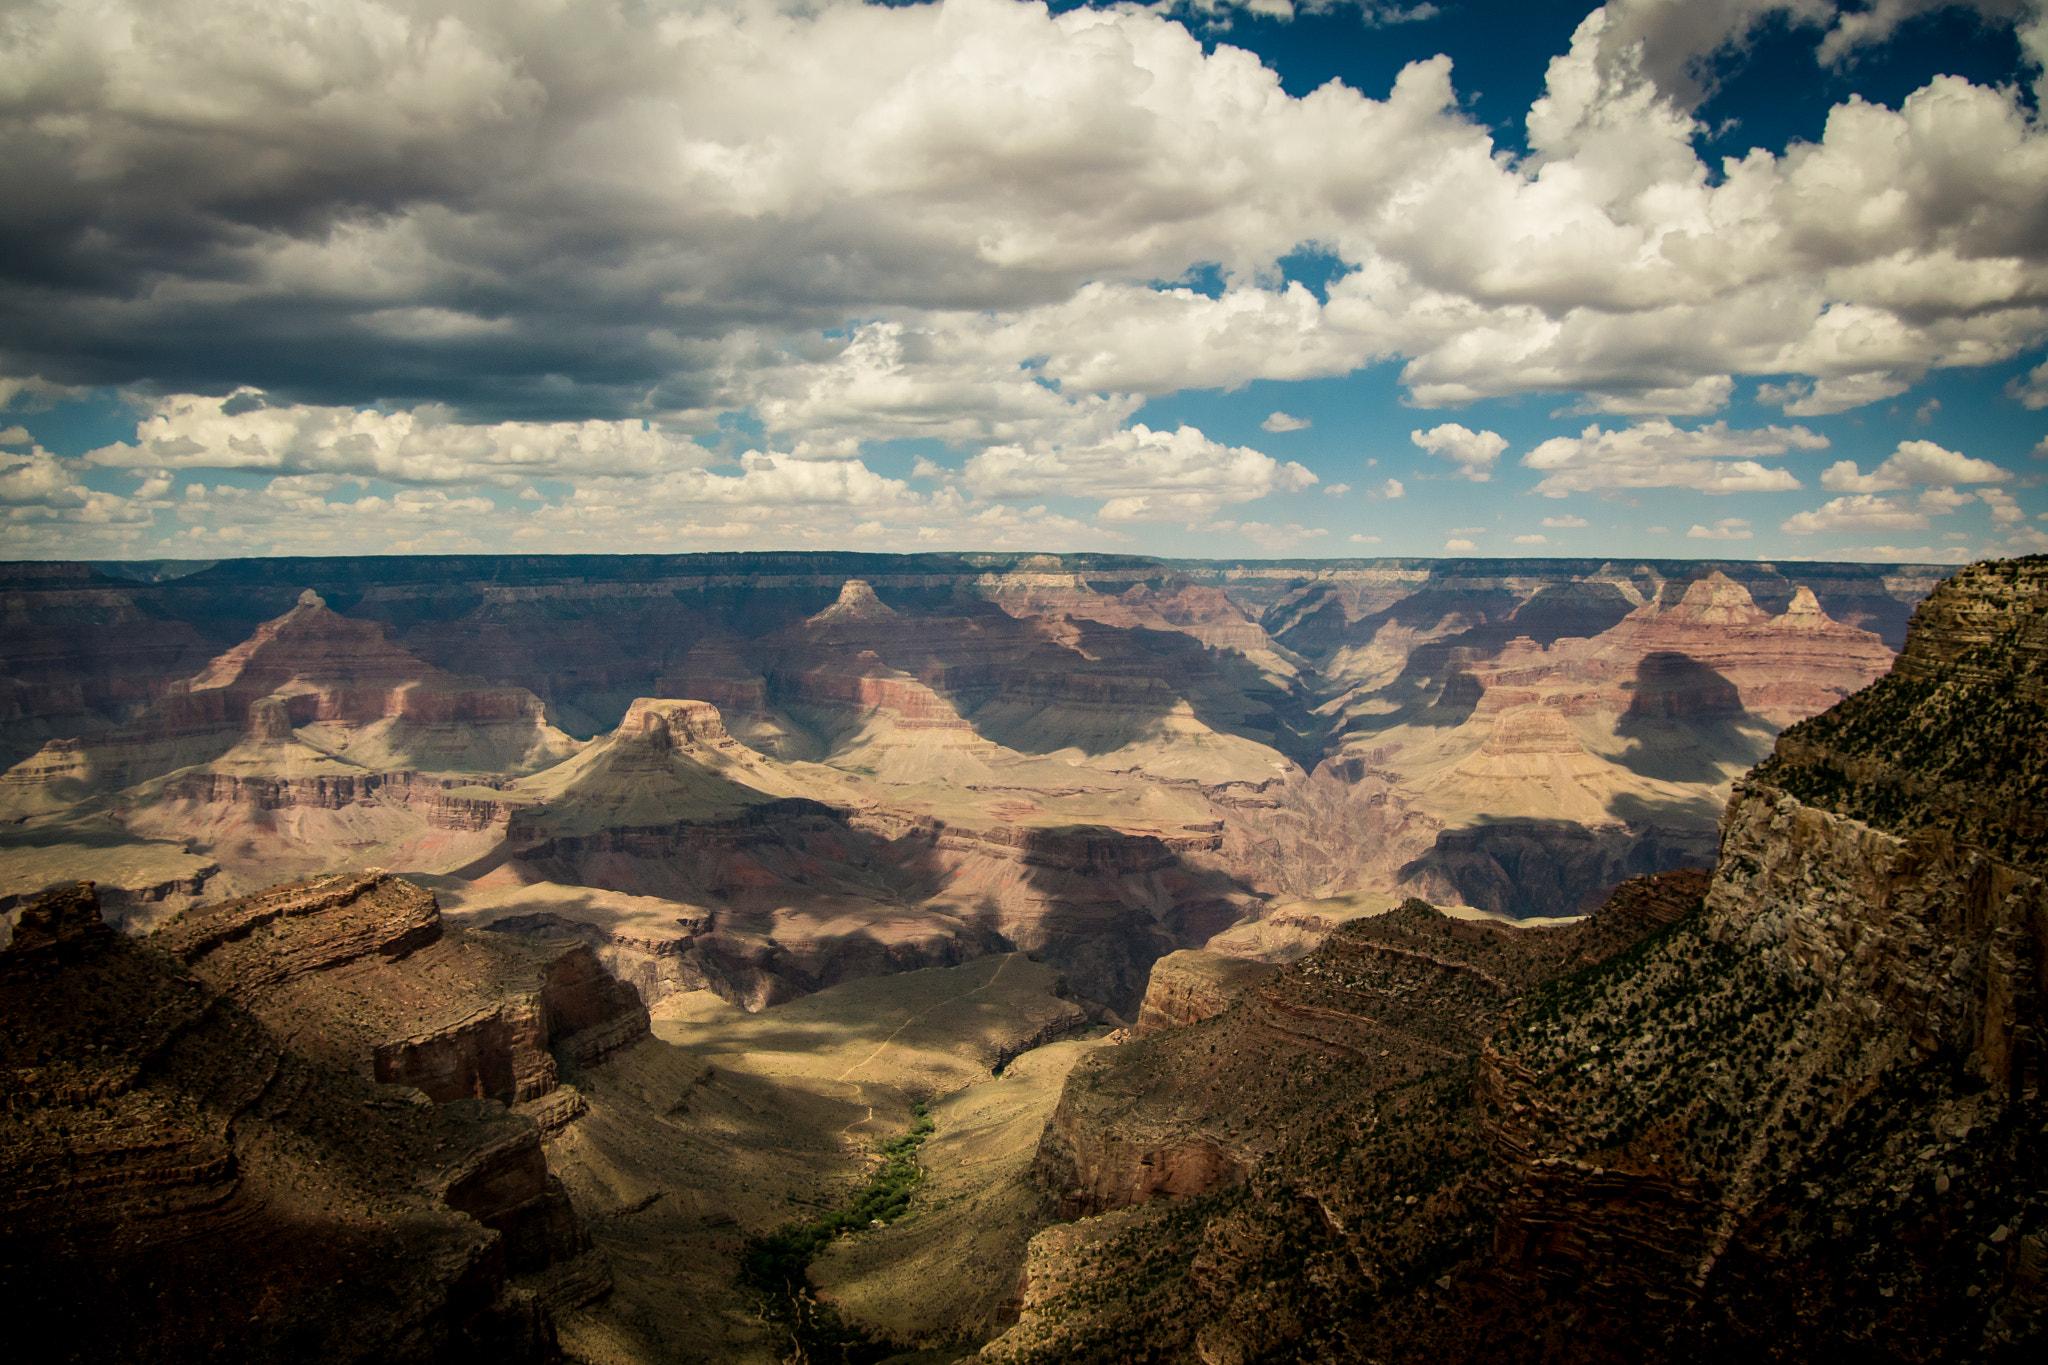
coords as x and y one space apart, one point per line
1801 1120
182 1185
361 970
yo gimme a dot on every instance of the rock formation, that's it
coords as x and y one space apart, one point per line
186 1183
1793 1118
835 765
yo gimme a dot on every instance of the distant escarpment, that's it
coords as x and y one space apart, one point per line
188 1179
1793 1118
824 766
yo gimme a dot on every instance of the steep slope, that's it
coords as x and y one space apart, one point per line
182 1185
1554 768
1800 1119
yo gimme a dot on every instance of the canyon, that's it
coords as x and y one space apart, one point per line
764 774
1366 960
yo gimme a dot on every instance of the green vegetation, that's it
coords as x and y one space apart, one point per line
1961 750
776 1262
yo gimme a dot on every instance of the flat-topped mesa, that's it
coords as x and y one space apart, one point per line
857 602
681 725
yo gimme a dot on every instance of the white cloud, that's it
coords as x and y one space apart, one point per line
36 477
2033 390
1940 502
420 446
1471 453
2005 509
1565 522
1657 454
414 179
1280 421
1914 462
1337 490
1392 488
14 436
1270 538
1532 540
1358 539
1459 545
1143 475
1861 512
1727 528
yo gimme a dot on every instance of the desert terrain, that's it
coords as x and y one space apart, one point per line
1041 961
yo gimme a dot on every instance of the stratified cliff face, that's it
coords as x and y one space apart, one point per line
182 1185
1798 1121
361 971
837 765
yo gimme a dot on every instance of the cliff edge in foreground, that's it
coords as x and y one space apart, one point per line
1801 1120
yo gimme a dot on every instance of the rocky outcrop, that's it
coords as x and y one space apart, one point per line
363 971
180 1185
1191 985
1799 1120
308 689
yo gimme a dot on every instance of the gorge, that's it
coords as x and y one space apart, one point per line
1333 960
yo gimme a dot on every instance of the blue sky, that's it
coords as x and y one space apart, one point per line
1662 278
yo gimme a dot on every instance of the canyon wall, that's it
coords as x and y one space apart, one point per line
185 1183
835 765
1792 1117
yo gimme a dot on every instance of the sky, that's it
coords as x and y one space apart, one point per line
1320 279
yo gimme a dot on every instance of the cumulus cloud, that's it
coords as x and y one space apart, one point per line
1142 474
1727 528
1459 545
1564 522
1337 490
1532 540
404 207
1359 539
1862 512
1280 421
1270 538
14 436
2005 509
420 446
2032 391
37 477
1392 488
1471 453
1659 454
1913 462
